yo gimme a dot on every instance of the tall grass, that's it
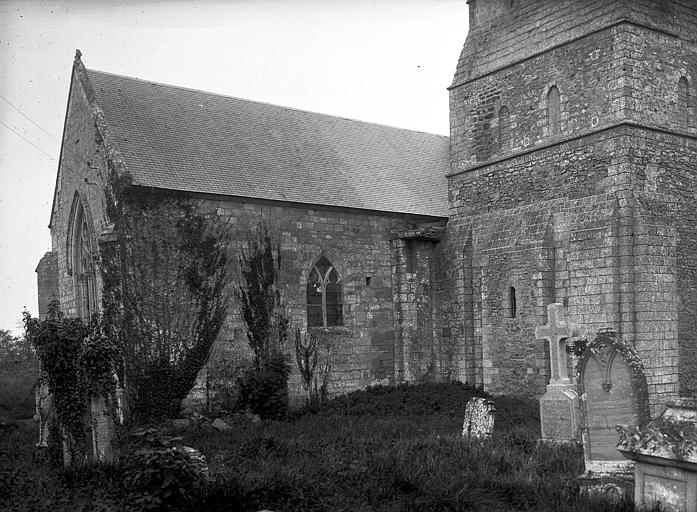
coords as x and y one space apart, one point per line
383 449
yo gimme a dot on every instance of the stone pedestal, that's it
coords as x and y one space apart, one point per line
560 413
665 454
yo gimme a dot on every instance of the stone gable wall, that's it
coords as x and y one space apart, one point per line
82 171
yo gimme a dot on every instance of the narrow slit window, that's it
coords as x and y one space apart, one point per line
512 306
504 129
683 101
553 110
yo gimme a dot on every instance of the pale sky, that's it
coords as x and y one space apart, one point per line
383 61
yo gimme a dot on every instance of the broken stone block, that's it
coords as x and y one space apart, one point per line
220 425
479 419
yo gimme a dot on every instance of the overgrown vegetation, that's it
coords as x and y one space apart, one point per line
383 449
165 276
76 363
264 386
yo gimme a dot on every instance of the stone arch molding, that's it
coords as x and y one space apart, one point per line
79 210
603 351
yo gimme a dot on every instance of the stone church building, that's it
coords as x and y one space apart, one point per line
570 175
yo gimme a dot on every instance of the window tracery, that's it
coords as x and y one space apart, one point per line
324 296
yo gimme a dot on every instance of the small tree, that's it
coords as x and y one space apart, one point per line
259 297
165 299
14 348
264 387
307 351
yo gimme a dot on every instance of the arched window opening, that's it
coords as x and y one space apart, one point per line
553 110
324 296
512 306
504 129
683 101
83 268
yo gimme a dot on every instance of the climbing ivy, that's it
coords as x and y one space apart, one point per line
164 275
77 362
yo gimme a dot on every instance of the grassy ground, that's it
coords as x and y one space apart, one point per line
385 449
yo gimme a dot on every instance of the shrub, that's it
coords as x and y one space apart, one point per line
157 475
264 390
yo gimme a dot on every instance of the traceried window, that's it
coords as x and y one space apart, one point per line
553 110
82 255
324 296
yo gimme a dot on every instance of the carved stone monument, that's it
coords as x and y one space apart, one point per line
480 414
102 429
560 415
45 414
665 454
614 393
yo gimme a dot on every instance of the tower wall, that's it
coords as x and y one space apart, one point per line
595 214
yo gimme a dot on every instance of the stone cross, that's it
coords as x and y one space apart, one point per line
557 331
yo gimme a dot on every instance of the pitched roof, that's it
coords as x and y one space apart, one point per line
188 140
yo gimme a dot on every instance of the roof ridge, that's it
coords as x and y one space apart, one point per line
295 109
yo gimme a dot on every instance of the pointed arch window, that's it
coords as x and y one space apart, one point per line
81 257
683 100
324 296
553 110
504 128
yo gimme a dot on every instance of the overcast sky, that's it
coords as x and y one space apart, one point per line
384 61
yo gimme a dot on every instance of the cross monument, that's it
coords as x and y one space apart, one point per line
560 412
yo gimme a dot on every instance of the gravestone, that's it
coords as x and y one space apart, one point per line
479 418
614 392
665 455
560 415
196 459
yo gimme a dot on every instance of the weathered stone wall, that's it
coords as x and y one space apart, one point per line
584 75
359 245
666 180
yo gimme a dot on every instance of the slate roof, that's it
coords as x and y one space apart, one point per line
188 140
